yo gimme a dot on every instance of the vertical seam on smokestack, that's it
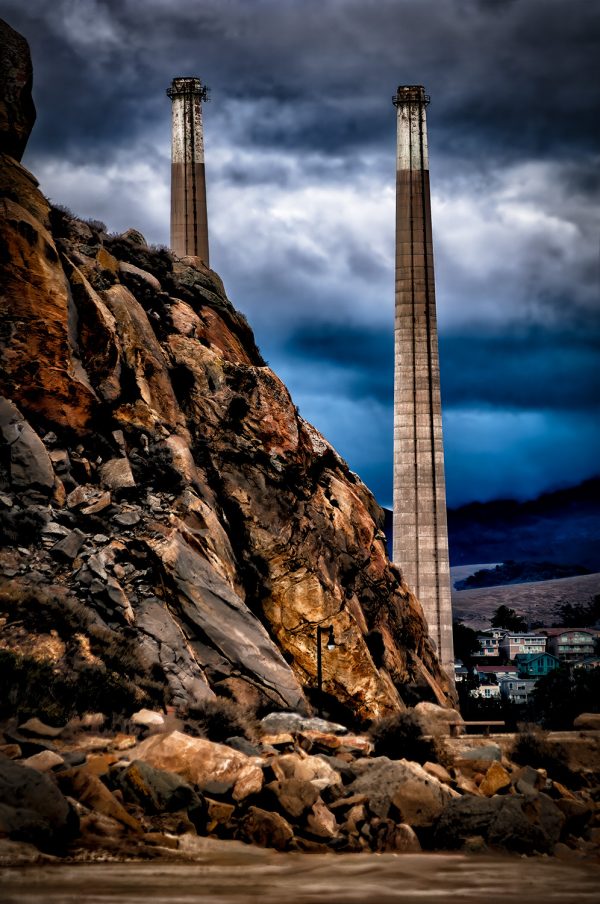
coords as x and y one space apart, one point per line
186 131
430 351
192 103
414 358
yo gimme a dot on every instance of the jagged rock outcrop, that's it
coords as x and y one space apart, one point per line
17 110
179 515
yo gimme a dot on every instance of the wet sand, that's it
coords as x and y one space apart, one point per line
236 874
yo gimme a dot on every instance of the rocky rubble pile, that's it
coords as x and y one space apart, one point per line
302 784
172 530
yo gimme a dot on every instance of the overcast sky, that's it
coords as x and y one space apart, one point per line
300 156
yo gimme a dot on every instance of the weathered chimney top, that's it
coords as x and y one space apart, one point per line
187 85
410 94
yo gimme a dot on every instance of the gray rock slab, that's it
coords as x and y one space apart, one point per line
276 723
116 474
68 548
30 465
207 602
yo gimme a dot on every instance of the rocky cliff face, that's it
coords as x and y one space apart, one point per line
162 502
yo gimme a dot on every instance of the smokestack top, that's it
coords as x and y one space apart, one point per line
186 86
410 94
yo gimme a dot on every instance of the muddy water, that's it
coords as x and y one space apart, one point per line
240 875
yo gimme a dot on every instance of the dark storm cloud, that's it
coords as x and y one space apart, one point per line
360 361
300 141
542 372
504 77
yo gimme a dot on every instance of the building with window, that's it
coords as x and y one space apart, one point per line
513 643
535 664
489 642
517 690
461 672
590 662
495 672
570 644
486 692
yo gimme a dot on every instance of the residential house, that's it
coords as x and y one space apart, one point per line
590 662
489 642
517 690
495 672
570 644
516 642
535 664
461 672
486 691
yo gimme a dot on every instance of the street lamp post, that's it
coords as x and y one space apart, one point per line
330 646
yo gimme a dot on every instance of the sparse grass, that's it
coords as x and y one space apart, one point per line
96 225
120 683
34 688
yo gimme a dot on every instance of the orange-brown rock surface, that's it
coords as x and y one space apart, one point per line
190 510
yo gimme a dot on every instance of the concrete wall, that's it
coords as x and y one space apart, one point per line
420 527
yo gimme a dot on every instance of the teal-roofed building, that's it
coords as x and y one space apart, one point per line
533 665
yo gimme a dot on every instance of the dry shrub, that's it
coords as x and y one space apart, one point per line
220 719
532 748
401 737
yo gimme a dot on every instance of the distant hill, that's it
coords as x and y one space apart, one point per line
518 573
538 601
562 526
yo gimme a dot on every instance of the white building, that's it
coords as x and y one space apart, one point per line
486 692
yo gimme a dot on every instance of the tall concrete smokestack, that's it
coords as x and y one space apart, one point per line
189 224
420 525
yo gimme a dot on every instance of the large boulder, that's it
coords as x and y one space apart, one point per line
17 110
521 823
293 795
155 790
439 720
527 824
587 722
33 808
418 796
305 768
214 768
278 723
266 829
463 818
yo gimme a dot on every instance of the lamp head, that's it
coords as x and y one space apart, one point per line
331 639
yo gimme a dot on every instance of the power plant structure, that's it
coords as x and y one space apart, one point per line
189 222
420 523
